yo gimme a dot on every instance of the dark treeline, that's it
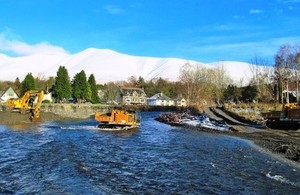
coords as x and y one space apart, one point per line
79 89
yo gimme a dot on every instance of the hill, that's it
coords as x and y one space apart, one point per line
107 65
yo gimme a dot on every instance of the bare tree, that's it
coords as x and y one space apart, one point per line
296 67
222 81
186 78
111 91
132 81
262 77
203 85
283 67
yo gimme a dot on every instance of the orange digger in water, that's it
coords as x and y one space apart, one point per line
117 120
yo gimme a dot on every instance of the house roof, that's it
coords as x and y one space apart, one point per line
160 96
1 94
7 88
179 99
130 91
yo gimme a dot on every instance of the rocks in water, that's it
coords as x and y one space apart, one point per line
170 118
175 118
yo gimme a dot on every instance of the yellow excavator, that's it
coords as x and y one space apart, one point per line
27 104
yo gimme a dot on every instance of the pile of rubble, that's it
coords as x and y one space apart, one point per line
176 118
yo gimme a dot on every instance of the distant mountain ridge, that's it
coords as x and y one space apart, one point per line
107 65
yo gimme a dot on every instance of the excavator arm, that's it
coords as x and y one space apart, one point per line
36 111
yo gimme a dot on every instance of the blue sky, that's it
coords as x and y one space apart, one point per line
201 30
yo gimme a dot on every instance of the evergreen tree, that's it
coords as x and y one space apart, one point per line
150 88
141 82
88 92
232 93
80 86
50 84
94 94
17 85
249 93
62 86
27 84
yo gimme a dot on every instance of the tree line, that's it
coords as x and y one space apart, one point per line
269 82
79 89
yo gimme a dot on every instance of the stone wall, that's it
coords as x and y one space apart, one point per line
82 111
76 110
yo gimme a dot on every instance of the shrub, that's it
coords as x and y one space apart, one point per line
46 101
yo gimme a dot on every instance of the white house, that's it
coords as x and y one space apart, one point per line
48 97
8 93
181 102
160 99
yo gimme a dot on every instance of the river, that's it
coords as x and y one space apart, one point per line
77 158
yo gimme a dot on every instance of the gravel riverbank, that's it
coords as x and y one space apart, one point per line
281 142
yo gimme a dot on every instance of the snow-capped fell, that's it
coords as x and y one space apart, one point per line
241 72
106 65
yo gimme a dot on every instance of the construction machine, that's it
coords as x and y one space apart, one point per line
30 102
288 118
117 120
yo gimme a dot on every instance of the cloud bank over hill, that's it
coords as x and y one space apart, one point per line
22 49
44 59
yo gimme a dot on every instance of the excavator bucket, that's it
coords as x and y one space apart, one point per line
36 119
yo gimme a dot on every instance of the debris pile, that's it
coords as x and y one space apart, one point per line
176 118
190 119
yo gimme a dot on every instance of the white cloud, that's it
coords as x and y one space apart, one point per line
114 10
255 11
21 48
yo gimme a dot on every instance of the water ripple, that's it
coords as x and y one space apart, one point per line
76 158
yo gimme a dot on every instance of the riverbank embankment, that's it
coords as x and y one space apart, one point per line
55 112
69 111
76 111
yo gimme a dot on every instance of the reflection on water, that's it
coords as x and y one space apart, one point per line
24 127
78 158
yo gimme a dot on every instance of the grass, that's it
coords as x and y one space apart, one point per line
252 111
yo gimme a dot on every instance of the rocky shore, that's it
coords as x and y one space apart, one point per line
281 142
